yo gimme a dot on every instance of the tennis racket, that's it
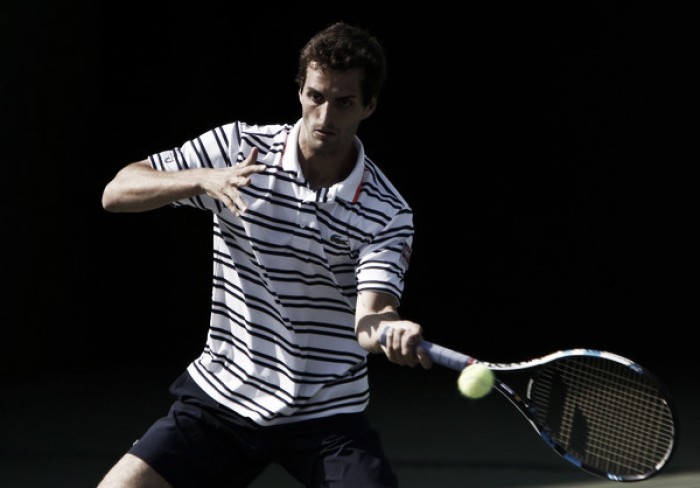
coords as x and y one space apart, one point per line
602 412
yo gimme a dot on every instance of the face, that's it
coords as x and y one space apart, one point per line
332 109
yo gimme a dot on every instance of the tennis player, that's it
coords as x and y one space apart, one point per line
311 245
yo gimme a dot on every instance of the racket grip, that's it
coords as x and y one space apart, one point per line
439 354
446 357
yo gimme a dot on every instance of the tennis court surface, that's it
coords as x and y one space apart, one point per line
67 432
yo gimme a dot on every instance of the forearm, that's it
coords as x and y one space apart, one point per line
138 187
377 312
369 328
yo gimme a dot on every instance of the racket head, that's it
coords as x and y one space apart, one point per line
600 411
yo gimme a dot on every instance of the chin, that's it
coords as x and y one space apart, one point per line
322 146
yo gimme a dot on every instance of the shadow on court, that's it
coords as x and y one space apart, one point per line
68 431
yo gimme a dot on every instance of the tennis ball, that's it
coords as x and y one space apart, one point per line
475 381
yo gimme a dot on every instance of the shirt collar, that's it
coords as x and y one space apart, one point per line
347 190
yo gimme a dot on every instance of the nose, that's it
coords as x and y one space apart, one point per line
324 112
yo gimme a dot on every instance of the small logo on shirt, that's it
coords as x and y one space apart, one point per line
340 240
168 157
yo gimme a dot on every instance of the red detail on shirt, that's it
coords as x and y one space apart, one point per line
357 192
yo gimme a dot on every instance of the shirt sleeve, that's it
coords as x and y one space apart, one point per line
383 263
213 149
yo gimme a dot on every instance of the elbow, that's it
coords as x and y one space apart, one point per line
107 203
110 200
119 194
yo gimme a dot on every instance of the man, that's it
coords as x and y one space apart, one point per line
311 246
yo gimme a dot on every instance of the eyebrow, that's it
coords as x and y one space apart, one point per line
347 97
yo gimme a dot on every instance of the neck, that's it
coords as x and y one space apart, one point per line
325 170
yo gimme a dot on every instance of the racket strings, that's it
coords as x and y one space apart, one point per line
608 415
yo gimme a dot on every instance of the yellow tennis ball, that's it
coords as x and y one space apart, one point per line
475 381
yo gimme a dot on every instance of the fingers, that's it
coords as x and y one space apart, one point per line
231 196
238 205
251 158
250 164
400 346
423 358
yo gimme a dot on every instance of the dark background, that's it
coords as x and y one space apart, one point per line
541 147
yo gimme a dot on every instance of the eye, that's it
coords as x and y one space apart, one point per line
315 97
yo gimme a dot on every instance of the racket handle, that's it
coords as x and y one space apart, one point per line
439 354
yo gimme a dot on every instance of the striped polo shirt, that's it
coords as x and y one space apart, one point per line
281 345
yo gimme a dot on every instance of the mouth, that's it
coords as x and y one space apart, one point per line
324 132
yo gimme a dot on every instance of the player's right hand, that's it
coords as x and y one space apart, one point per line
224 183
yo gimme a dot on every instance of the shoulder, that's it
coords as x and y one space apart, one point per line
261 131
377 186
263 137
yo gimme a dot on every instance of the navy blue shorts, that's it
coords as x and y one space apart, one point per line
199 443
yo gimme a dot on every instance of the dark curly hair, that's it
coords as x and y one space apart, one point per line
343 47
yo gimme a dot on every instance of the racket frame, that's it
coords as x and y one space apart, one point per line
457 361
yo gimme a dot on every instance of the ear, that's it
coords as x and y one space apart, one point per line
370 108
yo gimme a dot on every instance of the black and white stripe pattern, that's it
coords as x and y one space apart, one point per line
281 345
